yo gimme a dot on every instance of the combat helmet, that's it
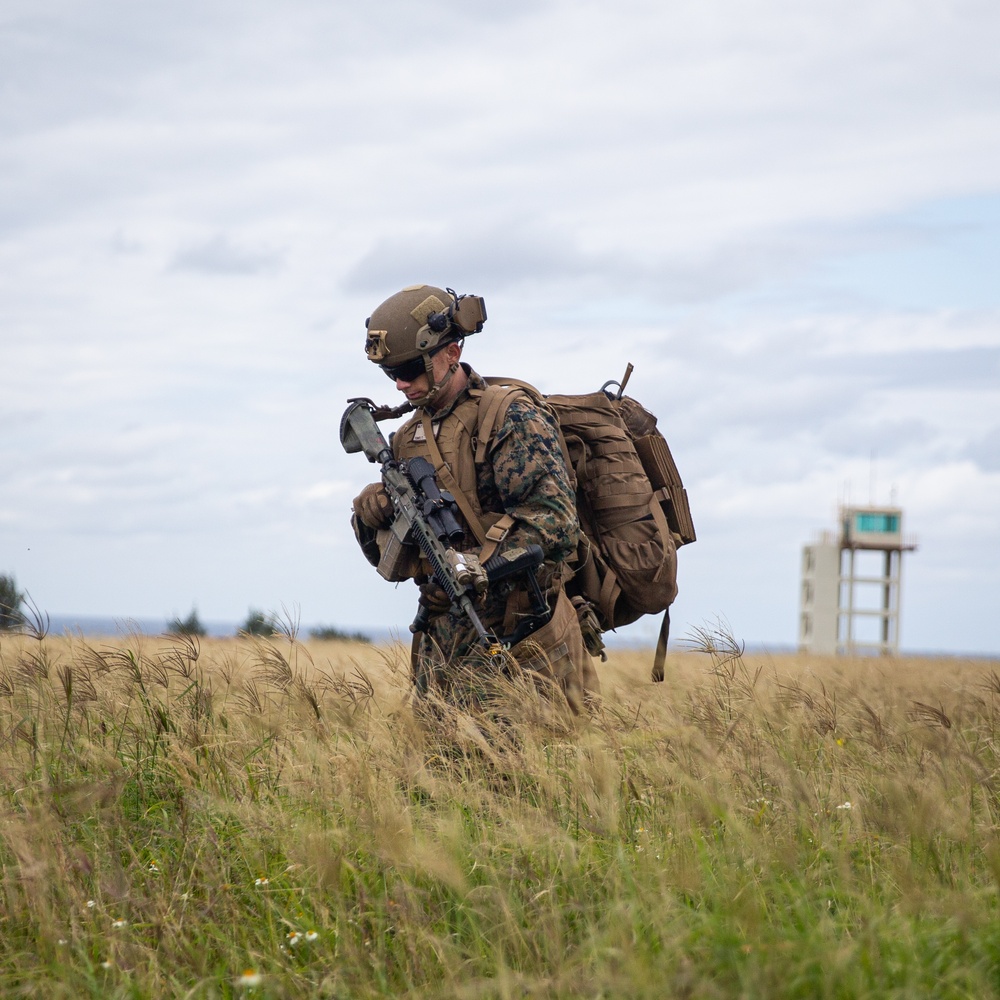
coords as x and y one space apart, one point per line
414 324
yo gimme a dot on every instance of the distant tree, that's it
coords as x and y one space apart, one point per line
258 623
187 626
332 632
11 600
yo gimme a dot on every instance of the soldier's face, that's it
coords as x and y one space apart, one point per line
416 388
440 363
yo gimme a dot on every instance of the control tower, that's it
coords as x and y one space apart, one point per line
851 580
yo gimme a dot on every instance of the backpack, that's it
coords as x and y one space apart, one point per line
632 505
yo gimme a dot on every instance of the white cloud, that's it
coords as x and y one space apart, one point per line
911 331
219 255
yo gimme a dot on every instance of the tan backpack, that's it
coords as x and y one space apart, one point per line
632 505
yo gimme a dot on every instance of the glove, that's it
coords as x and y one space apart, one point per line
433 598
373 506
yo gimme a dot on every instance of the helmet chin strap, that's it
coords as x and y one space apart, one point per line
435 387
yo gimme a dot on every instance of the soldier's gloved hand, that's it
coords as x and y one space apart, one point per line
373 506
433 598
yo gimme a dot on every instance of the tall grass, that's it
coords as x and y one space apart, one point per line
263 817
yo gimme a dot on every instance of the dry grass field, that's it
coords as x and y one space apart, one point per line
272 818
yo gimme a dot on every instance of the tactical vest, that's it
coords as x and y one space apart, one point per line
453 447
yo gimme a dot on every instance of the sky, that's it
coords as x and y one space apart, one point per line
785 215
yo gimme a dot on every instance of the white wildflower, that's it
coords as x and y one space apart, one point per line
249 978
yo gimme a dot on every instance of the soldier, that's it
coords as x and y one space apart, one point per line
498 452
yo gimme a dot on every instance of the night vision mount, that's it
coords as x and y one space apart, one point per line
467 315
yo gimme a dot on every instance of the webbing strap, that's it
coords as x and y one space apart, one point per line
660 657
471 517
498 404
609 595
611 448
499 380
495 535
664 529
538 397
599 502
579 469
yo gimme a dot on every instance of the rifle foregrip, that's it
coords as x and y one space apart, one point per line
421 621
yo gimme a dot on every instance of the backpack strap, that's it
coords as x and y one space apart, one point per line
660 657
610 592
493 404
660 520
492 380
497 410
490 413
492 409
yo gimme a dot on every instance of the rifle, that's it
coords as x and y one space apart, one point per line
425 515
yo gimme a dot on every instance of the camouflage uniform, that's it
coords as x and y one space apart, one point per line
524 476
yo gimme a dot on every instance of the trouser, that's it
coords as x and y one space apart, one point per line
557 651
555 654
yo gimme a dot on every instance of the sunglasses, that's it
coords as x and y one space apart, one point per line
409 370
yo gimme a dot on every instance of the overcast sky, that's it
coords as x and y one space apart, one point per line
786 215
